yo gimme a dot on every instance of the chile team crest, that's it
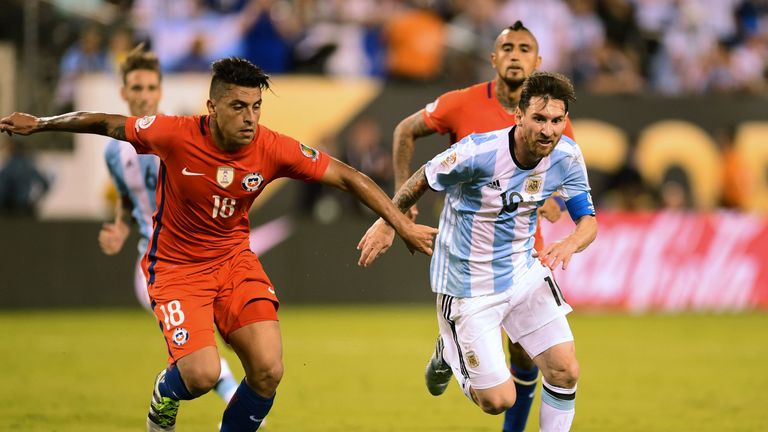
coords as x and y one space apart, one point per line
252 182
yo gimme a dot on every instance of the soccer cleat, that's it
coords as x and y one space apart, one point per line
162 410
438 373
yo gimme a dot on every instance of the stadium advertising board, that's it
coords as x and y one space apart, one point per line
669 261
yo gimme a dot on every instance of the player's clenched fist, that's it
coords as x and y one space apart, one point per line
19 123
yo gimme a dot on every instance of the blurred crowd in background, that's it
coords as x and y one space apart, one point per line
667 47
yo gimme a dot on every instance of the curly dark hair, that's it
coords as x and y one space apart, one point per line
236 71
547 85
140 59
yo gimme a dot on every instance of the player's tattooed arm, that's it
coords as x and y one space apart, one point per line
111 125
412 190
406 132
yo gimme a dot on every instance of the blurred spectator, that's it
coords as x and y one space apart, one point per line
414 38
736 178
468 37
587 36
195 60
365 150
21 184
343 38
87 55
270 39
120 44
617 71
550 21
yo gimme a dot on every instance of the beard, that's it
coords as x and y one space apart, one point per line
513 83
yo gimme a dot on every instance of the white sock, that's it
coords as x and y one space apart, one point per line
558 406
226 385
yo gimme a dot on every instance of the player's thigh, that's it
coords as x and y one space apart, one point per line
539 303
259 347
245 282
469 328
184 309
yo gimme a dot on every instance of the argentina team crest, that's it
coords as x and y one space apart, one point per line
225 176
309 151
533 185
252 182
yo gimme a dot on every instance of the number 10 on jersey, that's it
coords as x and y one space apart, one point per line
224 207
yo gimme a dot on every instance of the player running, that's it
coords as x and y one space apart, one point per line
199 267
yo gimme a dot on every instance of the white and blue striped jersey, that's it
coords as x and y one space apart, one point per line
485 243
135 177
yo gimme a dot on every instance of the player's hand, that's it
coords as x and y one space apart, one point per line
112 237
412 213
375 242
419 238
557 253
550 210
19 123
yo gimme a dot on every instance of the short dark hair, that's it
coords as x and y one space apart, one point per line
140 59
518 26
547 85
236 71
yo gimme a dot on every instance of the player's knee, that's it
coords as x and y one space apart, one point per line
265 380
564 376
496 403
201 377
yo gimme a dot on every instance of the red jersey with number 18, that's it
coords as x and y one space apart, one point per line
204 193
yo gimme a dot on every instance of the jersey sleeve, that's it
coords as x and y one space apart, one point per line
575 189
112 158
153 134
439 115
453 166
299 161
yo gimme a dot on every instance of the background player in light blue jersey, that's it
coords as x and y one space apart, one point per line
135 178
484 269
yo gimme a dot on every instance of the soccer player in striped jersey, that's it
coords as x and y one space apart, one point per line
135 179
482 108
199 267
485 270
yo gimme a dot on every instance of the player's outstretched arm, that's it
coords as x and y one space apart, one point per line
346 178
403 142
111 125
560 252
380 235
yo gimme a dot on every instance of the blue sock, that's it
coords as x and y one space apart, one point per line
525 386
245 411
172 385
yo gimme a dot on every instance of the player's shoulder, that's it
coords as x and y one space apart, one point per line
568 148
473 92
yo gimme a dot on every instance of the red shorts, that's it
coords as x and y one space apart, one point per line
188 300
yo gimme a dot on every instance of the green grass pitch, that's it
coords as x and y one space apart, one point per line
360 368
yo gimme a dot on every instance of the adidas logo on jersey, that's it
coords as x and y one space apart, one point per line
495 185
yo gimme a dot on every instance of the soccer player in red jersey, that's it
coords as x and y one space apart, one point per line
485 107
199 267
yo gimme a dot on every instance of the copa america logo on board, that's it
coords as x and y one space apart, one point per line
252 182
180 336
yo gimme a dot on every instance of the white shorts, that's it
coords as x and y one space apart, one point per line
532 313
